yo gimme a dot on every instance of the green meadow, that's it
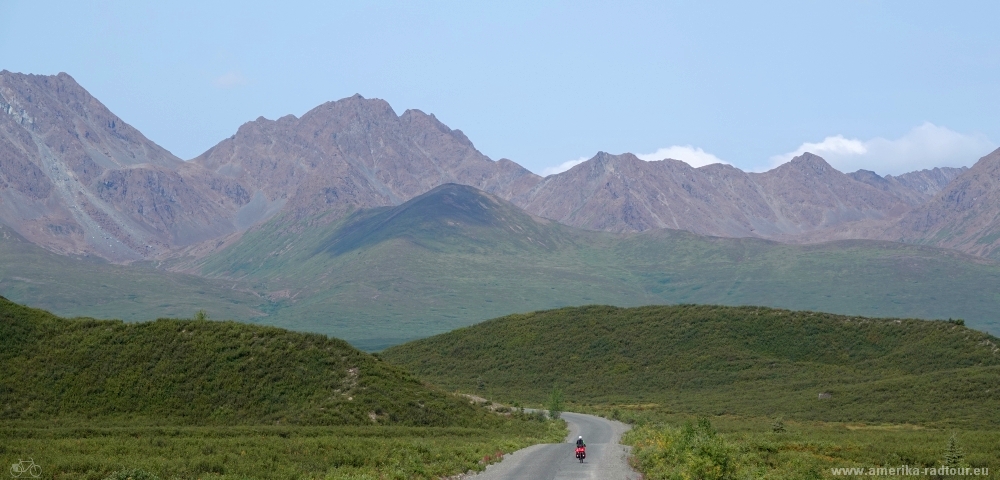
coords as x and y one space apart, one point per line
670 445
266 452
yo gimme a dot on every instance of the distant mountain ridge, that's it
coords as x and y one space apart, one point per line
76 179
622 193
915 188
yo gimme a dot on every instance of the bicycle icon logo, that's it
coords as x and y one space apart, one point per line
22 467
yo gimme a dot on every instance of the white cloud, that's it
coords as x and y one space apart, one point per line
230 80
562 167
926 146
830 147
696 157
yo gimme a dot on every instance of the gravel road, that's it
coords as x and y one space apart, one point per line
606 459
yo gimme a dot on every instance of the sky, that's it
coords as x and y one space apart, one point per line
885 86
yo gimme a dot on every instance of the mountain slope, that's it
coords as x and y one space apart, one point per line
205 372
457 256
965 215
721 360
451 215
76 179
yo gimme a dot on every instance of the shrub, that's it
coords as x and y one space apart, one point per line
692 451
132 474
953 455
555 404
778 426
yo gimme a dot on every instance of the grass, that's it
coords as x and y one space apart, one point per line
713 360
273 452
752 448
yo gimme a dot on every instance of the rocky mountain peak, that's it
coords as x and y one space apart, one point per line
990 161
355 152
808 162
354 108
607 162
867 176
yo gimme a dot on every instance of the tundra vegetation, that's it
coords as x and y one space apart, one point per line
90 399
779 394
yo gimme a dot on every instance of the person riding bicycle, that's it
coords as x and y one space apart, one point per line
579 442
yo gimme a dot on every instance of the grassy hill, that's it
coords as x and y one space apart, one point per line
191 371
449 218
715 360
85 398
456 256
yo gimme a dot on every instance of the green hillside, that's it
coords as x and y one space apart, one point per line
86 398
744 361
456 256
451 218
191 371
91 287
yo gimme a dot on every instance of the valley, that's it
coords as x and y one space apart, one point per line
683 301
457 256
380 228
729 389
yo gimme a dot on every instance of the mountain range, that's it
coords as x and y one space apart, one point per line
77 179
276 211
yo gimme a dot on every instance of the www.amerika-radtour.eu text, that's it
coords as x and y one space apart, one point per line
908 471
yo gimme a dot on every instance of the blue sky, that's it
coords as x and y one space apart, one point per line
887 86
